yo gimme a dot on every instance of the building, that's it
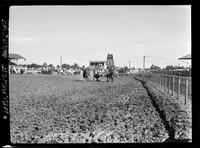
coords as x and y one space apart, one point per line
186 59
101 66
97 65
15 57
13 64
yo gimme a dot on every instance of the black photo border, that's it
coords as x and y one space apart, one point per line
5 118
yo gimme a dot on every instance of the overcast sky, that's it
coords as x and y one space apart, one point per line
83 33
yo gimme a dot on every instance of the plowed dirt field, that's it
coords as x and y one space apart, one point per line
57 109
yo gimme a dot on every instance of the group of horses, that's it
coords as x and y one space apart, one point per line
96 75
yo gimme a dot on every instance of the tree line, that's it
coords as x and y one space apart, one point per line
76 66
168 67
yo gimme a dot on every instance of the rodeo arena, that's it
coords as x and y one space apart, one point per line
99 103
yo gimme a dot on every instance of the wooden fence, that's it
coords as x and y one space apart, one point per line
174 85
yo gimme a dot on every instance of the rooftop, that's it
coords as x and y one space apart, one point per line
187 57
15 56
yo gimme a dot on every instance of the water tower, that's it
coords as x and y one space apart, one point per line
110 61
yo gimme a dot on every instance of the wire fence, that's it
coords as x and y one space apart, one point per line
183 73
179 86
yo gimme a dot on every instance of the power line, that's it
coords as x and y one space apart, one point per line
161 57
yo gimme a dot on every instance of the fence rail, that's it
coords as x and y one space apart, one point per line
178 86
184 73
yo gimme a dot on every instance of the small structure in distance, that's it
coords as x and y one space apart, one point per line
187 58
102 66
99 66
14 65
13 56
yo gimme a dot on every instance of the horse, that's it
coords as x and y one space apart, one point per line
109 76
97 76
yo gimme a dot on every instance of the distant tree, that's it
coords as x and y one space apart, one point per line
171 67
74 66
33 65
39 66
58 66
28 65
180 67
44 65
67 66
50 65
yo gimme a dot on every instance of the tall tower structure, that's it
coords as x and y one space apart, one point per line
110 61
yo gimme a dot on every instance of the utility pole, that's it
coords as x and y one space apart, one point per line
144 62
60 60
129 62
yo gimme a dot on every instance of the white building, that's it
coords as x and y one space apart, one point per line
99 66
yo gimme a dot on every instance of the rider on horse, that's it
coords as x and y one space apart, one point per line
110 74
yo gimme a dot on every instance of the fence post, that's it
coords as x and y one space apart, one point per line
172 85
169 84
167 80
186 91
179 87
165 83
154 79
160 81
157 77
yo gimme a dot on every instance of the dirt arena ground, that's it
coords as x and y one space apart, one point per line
66 109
